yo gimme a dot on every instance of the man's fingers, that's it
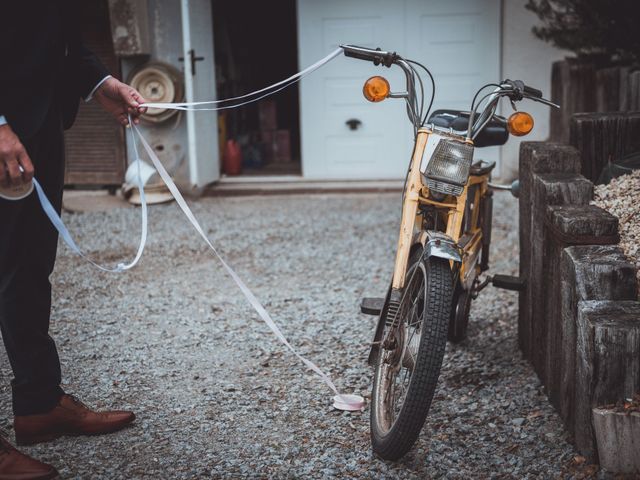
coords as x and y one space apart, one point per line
4 176
140 99
131 97
27 166
123 118
137 97
13 169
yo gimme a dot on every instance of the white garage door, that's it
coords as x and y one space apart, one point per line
457 39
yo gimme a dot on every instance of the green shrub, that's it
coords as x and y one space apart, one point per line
604 30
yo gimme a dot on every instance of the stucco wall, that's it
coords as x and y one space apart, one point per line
524 57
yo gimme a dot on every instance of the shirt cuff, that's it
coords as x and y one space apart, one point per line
3 121
90 96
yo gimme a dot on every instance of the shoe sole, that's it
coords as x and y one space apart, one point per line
23 440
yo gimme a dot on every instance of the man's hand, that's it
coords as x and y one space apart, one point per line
120 100
13 156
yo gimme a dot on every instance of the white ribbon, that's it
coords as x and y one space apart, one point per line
255 303
68 239
282 84
345 402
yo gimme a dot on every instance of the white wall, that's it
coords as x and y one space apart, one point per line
526 58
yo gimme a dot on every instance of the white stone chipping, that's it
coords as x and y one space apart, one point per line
621 198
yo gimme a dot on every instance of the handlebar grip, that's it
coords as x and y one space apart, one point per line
377 56
534 92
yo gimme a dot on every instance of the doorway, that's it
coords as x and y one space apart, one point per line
255 46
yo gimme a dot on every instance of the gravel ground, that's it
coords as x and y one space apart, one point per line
217 396
620 199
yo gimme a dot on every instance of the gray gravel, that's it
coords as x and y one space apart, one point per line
617 198
215 393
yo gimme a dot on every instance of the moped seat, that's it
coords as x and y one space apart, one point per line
482 168
494 133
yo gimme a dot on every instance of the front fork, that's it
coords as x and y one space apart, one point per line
438 244
443 245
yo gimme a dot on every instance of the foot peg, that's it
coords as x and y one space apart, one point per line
372 306
508 282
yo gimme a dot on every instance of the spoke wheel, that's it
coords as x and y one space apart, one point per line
413 345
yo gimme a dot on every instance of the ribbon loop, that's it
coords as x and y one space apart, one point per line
343 402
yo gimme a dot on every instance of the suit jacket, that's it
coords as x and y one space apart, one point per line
42 61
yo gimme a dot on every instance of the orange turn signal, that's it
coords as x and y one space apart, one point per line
520 123
376 89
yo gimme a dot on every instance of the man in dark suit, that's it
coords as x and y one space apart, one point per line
44 72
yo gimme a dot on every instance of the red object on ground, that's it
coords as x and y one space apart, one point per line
232 158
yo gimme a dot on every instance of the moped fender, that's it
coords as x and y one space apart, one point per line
437 244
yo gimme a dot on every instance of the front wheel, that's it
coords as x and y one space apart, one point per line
408 366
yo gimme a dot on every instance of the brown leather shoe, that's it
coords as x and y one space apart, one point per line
15 465
69 417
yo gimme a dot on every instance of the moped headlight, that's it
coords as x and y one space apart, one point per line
447 168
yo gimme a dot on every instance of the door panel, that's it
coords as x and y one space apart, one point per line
457 39
333 95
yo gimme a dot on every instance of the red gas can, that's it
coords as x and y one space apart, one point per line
232 158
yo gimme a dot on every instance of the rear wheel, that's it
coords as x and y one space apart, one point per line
410 358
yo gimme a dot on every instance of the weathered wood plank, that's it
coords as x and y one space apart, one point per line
535 158
607 361
564 225
618 439
587 272
572 87
583 225
633 91
611 89
548 189
604 137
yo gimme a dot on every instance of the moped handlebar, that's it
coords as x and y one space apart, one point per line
515 90
377 56
519 90
534 92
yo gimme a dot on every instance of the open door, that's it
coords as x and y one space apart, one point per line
200 85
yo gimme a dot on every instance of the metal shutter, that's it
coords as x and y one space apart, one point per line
95 152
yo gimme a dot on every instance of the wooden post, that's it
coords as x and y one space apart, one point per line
572 87
633 91
535 158
611 89
607 361
564 226
604 137
618 438
548 189
587 272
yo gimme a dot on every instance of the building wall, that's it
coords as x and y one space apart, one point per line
170 139
524 57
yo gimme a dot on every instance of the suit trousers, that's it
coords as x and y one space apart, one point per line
28 244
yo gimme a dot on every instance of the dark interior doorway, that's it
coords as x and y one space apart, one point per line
256 45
